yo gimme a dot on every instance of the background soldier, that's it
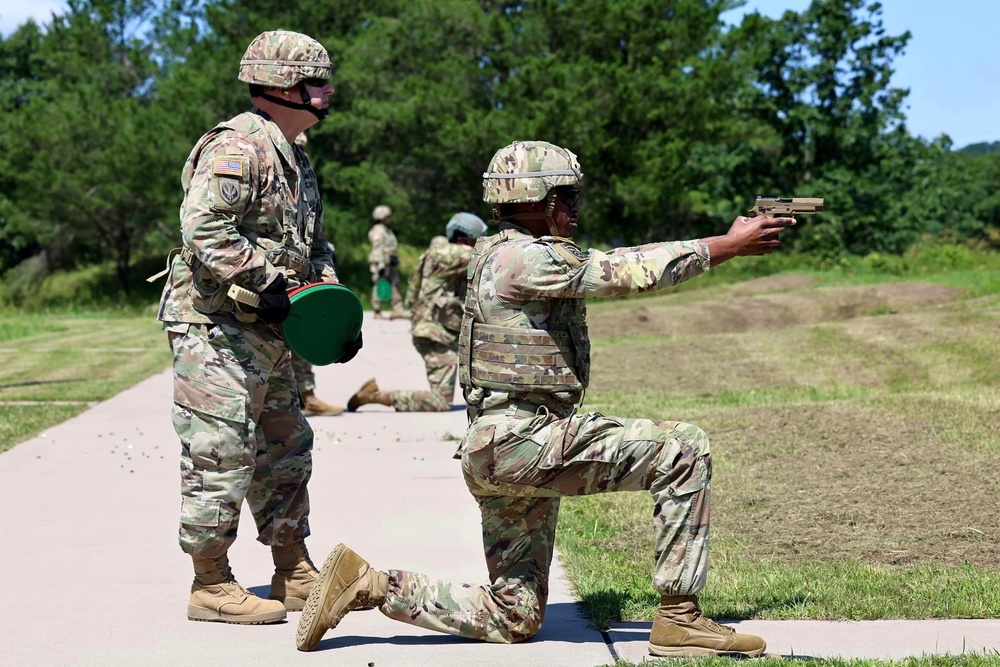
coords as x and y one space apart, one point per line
383 261
524 361
434 296
245 223
305 378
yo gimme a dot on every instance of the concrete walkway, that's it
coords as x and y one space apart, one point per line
92 574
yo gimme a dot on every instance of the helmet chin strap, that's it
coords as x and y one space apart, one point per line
550 208
547 215
301 106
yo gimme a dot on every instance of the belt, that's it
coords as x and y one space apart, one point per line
515 410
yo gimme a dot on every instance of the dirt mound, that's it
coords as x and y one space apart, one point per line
735 313
779 283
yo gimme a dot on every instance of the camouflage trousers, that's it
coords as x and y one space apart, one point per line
441 362
518 469
242 436
305 378
392 274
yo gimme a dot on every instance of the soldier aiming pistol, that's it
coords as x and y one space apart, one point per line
786 206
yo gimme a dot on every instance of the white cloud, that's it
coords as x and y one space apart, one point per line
13 13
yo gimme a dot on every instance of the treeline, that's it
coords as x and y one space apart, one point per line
679 120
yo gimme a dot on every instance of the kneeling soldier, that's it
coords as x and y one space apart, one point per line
435 295
524 362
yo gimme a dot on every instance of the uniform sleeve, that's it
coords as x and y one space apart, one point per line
321 255
413 286
223 186
562 270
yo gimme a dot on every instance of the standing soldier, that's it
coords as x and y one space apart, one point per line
305 378
434 295
524 364
383 261
250 220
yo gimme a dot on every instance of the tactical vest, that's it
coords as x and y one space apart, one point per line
211 296
521 359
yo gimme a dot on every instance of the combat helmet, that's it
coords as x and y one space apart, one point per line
284 59
381 212
527 171
469 224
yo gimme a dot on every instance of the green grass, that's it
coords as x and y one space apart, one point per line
82 358
20 422
854 435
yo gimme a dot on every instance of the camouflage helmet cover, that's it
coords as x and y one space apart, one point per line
469 224
381 212
525 171
282 58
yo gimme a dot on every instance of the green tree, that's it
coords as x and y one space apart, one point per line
90 144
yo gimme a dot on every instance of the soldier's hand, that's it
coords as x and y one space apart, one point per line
274 304
351 350
758 235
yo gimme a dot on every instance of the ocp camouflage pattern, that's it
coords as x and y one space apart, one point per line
242 437
530 284
520 456
436 291
384 248
281 58
528 157
518 469
246 225
441 363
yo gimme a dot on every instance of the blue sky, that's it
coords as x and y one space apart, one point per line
950 66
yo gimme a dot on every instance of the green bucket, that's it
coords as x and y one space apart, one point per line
383 289
324 318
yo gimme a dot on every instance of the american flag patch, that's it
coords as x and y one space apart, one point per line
222 166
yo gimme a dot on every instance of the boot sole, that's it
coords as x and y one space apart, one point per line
212 616
309 633
699 652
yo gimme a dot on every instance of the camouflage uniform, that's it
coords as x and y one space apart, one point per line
524 365
305 377
434 296
251 210
384 258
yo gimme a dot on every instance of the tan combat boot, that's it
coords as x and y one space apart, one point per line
378 315
399 314
369 393
294 576
347 582
680 630
217 596
315 407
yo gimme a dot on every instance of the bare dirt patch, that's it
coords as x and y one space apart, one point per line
737 313
779 283
846 480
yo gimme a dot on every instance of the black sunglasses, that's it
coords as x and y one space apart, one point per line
316 83
569 194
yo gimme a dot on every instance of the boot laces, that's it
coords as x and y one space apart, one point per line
230 579
712 625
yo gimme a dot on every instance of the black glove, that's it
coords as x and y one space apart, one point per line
351 350
383 272
274 304
394 261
